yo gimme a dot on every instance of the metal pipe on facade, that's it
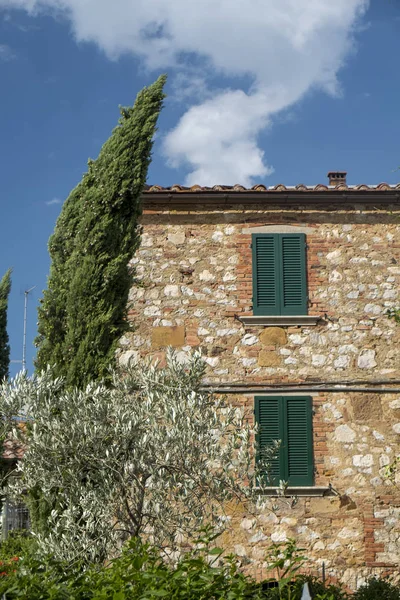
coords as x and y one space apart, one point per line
352 382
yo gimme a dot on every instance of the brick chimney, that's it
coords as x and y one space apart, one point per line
336 177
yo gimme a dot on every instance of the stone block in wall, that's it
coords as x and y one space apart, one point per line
268 358
177 238
366 360
174 336
324 506
128 357
366 407
273 336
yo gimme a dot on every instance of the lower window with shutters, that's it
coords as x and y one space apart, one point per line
289 420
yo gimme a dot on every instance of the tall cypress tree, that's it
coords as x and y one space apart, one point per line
83 311
5 288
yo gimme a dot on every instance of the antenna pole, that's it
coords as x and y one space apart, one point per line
26 293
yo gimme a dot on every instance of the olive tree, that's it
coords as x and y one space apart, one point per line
149 456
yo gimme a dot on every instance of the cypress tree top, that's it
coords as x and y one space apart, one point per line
83 311
5 288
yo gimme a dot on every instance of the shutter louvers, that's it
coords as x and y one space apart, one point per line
288 419
266 299
298 453
269 418
279 274
293 275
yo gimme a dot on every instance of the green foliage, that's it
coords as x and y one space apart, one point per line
18 543
394 313
294 590
138 574
320 591
5 288
40 507
83 311
286 559
35 577
377 588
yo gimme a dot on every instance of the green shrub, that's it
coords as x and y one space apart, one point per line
138 574
319 591
381 589
18 543
25 574
294 589
286 559
141 573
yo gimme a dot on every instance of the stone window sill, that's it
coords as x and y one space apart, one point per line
309 320
310 491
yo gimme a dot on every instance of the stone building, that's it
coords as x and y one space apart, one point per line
286 291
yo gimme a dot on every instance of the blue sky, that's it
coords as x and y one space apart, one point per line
279 91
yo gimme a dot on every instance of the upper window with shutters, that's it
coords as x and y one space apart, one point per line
279 274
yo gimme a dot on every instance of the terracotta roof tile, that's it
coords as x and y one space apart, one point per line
196 189
12 450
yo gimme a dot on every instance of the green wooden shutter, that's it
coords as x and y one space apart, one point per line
288 419
298 440
293 274
268 412
279 274
266 285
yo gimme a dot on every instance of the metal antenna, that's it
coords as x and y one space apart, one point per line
26 293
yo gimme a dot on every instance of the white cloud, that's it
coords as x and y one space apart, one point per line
188 86
285 47
6 53
53 201
218 139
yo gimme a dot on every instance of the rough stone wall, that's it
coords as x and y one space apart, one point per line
195 279
197 276
353 539
355 529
